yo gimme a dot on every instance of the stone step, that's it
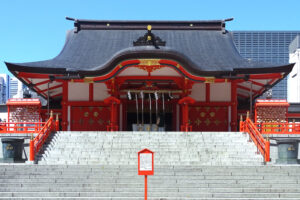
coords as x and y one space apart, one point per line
171 148
168 182
121 194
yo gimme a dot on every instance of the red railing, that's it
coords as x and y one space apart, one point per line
36 144
262 145
278 128
21 127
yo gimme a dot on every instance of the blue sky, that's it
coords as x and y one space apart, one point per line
32 30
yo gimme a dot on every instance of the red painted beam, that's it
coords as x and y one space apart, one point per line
265 76
292 115
269 83
36 88
32 75
248 89
42 83
212 103
257 83
57 95
52 88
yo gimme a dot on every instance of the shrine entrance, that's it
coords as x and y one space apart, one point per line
148 98
147 118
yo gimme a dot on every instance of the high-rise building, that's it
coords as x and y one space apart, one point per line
266 46
5 80
2 91
294 76
15 88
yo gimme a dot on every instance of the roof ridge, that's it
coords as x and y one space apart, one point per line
83 24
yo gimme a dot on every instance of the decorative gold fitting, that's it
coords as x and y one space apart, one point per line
51 113
149 27
241 118
247 115
291 148
31 136
57 117
209 79
149 62
88 80
149 38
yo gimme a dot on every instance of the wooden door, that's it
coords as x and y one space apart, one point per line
209 118
89 118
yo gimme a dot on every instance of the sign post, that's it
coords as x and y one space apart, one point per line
145 165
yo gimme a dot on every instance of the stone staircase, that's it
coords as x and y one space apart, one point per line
168 183
103 165
171 148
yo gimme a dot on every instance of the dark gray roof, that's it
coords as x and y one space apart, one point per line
92 49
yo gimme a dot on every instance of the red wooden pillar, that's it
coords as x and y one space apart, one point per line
91 92
184 102
207 92
64 103
113 102
234 103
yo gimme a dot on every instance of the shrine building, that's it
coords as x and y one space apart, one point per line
121 75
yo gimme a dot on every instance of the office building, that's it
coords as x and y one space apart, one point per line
294 76
266 46
15 88
5 80
2 91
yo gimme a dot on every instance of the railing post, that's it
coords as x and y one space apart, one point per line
241 124
267 151
52 124
31 149
57 123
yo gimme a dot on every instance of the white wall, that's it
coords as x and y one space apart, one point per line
293 82
78 92
100 92
198 92
220 92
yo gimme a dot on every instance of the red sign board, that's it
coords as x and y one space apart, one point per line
145 162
